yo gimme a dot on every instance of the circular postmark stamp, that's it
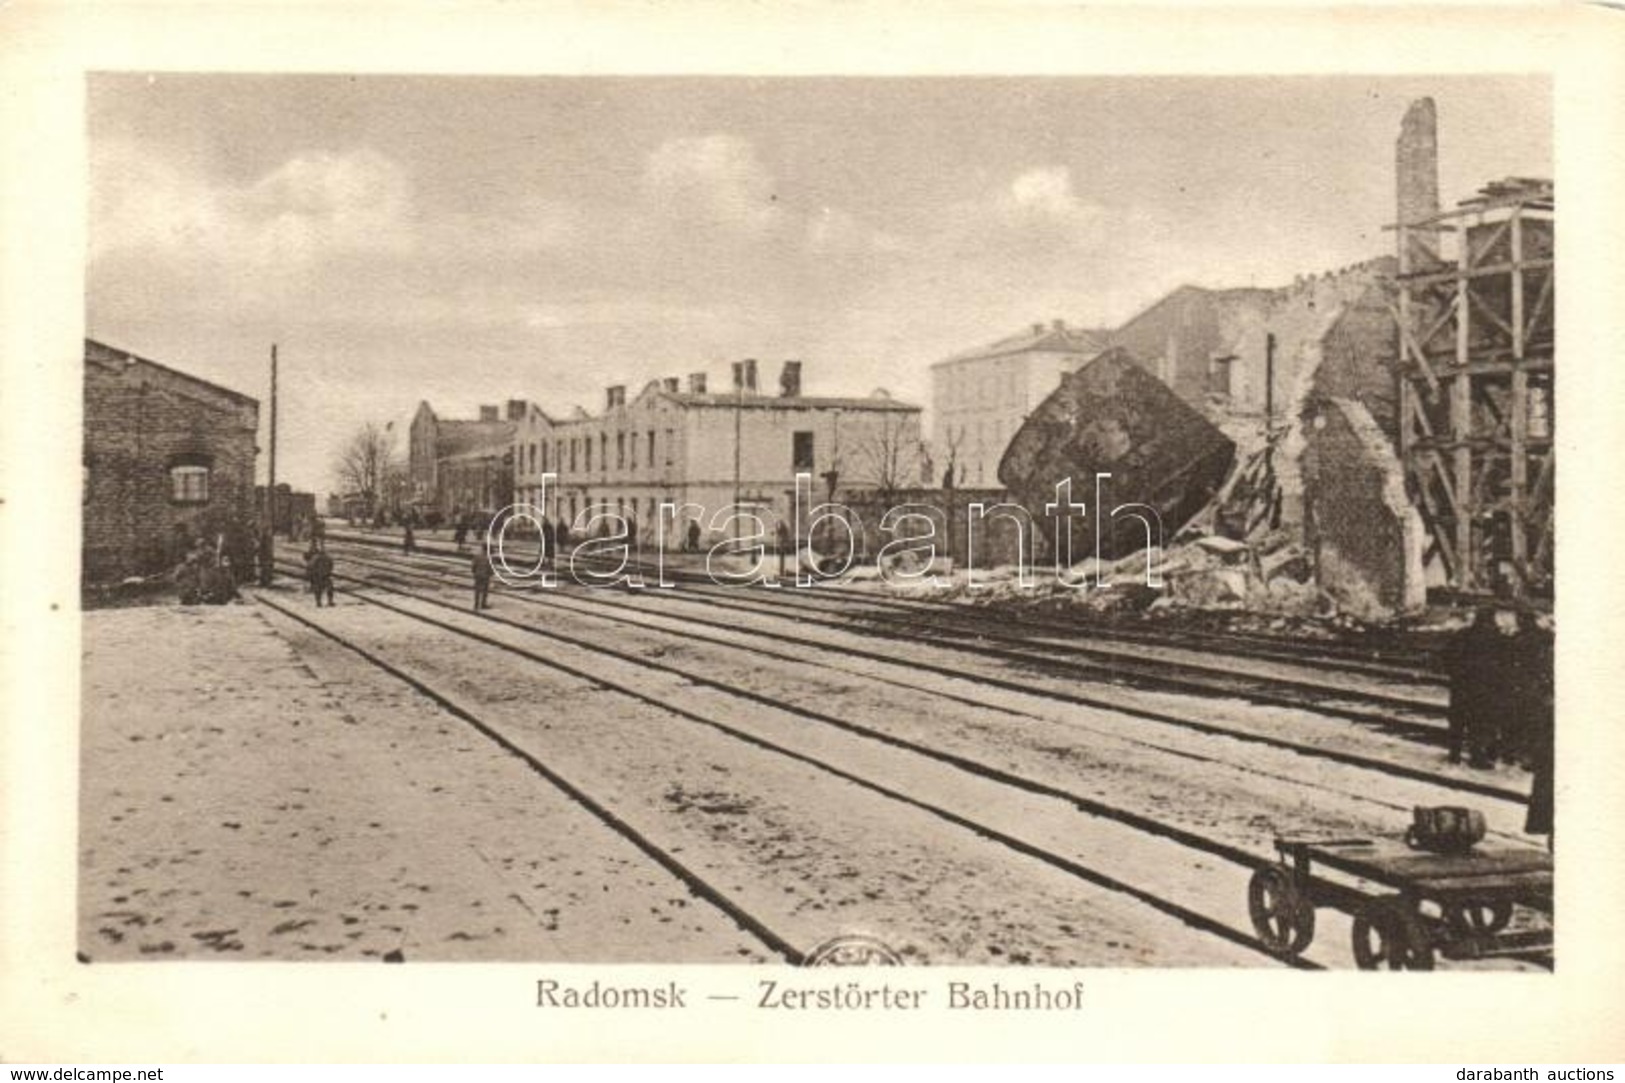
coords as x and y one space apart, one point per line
853 949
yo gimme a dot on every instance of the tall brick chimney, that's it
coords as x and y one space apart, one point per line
745 376
614 396
790 380
696 383
1416 161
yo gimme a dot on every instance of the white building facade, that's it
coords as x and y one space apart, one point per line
981 397
707 452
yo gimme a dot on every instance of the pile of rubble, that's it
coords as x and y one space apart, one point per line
1267 585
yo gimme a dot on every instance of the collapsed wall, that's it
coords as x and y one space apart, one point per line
1366 539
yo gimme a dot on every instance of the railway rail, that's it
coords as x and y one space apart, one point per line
795 637
1326 685
1161 830
1384 662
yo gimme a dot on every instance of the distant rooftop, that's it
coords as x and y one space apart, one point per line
1054 337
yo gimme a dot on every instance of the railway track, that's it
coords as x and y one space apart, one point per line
617 605
697 884
1382 662
1011 837
1324 685
782 943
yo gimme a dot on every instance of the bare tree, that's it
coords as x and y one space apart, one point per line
364 463
890 454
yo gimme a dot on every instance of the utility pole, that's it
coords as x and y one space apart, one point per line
739 414
1269 382
268 535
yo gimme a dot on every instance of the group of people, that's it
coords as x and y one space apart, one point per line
1501 700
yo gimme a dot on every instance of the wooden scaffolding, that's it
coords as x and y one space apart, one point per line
1475 372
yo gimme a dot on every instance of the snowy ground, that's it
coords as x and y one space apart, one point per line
253 790
250 792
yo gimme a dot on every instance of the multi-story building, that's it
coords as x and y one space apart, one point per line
168 458
706 451
456 465
981 397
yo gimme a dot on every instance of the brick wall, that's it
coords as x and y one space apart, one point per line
141 419
1366 537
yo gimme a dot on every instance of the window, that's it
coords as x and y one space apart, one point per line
620 451
650 458
1218 376
801 450
572 454
603 452
587 453
189 484
671 445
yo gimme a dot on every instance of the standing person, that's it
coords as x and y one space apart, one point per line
483 571
267 556
691 539
459 534
409 541
549 539
1539 722
1472 659
321 577
783 540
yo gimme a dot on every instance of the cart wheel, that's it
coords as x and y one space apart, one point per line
1282 916
1388 934
1480 919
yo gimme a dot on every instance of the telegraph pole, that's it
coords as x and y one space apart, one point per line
268 534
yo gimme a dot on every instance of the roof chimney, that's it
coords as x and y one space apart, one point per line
790 380
1416 161
516 409
1058 325
1038 329
490 413
745 375
696 383
669 384
614 396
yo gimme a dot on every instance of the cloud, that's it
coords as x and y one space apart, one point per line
1043 199
716 180
313 206
837 233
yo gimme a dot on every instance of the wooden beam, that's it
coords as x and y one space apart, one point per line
1461 430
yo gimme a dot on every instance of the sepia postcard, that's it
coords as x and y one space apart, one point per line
538 533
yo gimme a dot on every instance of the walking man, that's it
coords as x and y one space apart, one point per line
321 577
483 570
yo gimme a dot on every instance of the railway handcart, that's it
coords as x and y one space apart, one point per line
1406 904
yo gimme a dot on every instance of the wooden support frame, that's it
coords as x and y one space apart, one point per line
1481 482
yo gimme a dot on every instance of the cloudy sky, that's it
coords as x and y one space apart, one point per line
466 240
